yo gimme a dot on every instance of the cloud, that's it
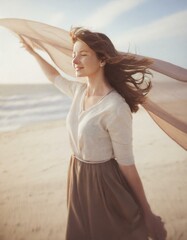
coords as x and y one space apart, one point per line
28 9
170 26
107 13
56 19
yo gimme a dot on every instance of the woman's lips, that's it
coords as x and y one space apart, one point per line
78 68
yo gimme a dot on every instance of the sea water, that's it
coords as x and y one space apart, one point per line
24 104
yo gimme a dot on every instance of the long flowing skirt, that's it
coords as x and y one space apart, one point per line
101 205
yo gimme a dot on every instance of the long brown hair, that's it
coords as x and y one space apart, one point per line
126 73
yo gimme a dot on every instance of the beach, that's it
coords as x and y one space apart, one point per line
34 163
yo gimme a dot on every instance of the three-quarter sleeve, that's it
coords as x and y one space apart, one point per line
120 130
66 86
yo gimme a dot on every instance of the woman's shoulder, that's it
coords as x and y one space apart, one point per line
68 86
117 110
116 102
80 87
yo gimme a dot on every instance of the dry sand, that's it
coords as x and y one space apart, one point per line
33 171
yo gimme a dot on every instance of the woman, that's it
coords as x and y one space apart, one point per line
105 197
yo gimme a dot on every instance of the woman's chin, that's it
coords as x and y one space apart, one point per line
78 74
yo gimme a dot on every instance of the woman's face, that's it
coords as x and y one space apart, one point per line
85 61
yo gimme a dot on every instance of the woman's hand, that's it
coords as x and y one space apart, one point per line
47 68
155 227
26 46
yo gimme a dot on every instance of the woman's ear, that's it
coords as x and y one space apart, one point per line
102 63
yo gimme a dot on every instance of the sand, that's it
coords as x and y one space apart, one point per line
33 171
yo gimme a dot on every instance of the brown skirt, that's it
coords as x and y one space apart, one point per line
101 205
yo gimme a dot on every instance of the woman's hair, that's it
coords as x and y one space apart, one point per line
127 74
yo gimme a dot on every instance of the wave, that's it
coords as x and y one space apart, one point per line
17 110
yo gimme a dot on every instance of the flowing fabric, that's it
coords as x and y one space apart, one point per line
166 102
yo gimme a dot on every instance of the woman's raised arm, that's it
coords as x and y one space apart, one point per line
50 72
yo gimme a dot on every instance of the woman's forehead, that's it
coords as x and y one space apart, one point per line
81 46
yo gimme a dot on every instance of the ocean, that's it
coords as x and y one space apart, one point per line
24 104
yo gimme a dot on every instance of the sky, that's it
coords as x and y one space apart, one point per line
154 28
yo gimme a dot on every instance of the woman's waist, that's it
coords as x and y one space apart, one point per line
92 161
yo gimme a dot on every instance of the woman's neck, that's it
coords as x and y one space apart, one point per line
97 86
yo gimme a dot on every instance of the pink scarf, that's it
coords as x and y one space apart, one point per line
167 101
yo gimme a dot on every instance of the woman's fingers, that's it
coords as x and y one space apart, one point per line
25 45
160 230
155 227
21 40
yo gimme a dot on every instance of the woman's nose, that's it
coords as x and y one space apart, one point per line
75 60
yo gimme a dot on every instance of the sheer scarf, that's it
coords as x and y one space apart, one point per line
167 100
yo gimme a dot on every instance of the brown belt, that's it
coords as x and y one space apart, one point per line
91 162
